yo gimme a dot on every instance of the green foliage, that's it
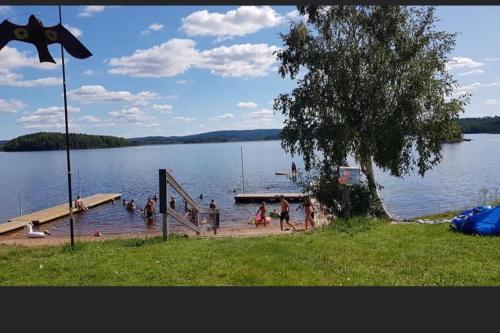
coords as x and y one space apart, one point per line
57 141
375 86
480 125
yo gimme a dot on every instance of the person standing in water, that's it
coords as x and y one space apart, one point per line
285 213
131 206
294 169
149 209
172 203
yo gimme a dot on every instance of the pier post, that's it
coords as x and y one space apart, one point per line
163 200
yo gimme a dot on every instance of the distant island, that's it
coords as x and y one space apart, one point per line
480 125
218 136
57 141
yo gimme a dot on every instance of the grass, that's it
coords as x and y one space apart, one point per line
346 253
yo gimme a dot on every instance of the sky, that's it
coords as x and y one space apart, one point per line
180 70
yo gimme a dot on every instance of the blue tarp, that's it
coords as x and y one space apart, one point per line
482 220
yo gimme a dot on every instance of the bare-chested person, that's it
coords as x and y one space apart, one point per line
285 212
149 209
309 211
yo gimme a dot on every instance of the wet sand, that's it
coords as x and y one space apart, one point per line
19 238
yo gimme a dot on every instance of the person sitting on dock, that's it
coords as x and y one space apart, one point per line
131 205
149 209
172 203
285 213
79 204
262 210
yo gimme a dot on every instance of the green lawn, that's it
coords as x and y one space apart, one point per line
356 252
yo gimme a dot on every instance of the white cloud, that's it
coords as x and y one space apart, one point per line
152 27
240 22
74 30
134 116
241 60
461 90
11 58
293 14
50 117
88 72
246 105
223 116
462 63
11 105
181 118
178 55
89 11
184 81
5 9
165 60
164 108
263 115
91 119
474 71
491 102
97 93
16 80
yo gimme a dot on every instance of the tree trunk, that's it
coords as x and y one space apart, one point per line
376 202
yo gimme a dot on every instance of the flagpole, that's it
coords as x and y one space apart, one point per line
70 195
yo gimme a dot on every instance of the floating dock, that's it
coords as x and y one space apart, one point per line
267 197
53 213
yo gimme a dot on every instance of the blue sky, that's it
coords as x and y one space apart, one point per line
178 70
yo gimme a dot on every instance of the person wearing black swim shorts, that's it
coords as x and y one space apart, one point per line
285 215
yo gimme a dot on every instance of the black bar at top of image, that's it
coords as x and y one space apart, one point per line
249 2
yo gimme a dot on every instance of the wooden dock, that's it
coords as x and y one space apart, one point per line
267 197
53 213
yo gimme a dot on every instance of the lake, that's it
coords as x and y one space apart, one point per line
39 180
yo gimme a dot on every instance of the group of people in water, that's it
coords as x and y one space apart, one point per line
263 219
149 209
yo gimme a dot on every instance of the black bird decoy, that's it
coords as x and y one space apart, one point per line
35 33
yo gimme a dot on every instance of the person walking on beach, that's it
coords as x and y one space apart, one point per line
262 211
79 204
285 213
309 211
294 169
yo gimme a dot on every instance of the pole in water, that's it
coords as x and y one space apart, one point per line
20 205
68 163
79 189
242 173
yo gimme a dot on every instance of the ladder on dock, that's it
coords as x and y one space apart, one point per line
166 178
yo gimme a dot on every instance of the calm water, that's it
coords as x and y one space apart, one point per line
215 170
